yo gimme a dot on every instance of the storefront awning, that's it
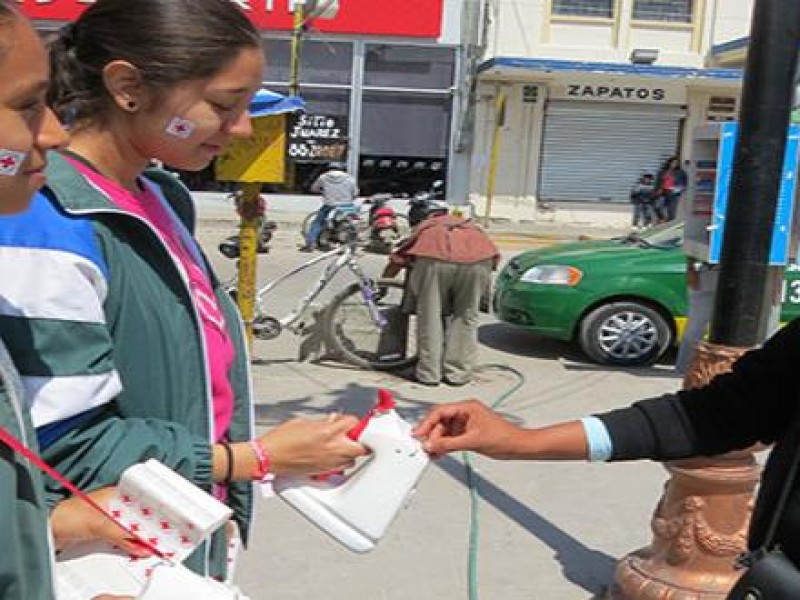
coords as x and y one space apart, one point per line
514 67
730 53
266 103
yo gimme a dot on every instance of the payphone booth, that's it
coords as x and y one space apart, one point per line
706 204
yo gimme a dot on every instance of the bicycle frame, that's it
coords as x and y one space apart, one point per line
345 257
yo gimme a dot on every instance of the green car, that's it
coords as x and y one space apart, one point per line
623 300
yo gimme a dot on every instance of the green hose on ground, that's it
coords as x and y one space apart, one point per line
474 521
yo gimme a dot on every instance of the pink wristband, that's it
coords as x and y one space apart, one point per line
263 460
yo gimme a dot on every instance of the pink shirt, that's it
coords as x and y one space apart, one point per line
220 352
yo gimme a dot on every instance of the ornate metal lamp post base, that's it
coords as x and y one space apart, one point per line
700 523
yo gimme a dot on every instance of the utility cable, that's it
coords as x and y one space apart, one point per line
474 496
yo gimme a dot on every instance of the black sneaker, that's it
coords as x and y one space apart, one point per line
305 248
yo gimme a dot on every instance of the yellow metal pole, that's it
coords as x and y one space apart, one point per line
248 253
294 73
297 43
499 120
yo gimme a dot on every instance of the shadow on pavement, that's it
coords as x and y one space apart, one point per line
354 399
514 340
590 569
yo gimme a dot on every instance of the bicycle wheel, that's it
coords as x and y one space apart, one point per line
353 334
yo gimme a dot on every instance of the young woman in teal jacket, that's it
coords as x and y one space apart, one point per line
139 351
28 129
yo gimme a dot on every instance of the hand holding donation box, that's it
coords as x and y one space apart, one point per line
171 514
357 507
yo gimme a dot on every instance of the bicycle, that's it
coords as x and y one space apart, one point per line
364 323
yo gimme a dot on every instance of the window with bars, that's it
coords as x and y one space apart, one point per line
673 11
603 9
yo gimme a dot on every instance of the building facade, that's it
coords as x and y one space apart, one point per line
575 99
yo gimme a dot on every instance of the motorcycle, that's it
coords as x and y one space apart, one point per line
420 205
339 227
384 225
229 247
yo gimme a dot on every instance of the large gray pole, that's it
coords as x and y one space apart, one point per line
746 288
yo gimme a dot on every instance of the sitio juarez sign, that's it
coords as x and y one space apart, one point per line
410 18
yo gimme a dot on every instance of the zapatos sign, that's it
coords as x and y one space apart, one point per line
618 92
602 92
412 18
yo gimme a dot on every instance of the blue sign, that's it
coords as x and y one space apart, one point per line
781 232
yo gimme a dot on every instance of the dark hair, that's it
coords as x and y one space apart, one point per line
669 162
8 14
168 41
7 10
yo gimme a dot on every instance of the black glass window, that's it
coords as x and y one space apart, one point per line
675 11
320 62
408 67
584 8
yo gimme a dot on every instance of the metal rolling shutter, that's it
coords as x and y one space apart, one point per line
595 152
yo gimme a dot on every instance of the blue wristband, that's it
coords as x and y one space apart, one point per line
597 439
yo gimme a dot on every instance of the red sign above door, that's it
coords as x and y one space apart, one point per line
407 18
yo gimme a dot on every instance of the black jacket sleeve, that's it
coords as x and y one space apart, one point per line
754 402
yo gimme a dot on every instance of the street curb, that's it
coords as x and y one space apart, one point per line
508 234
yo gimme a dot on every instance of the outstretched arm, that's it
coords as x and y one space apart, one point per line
471 425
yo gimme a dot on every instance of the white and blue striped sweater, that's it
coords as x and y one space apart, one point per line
53 283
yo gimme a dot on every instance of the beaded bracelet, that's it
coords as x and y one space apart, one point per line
263 460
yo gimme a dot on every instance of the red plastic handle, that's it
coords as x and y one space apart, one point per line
385 403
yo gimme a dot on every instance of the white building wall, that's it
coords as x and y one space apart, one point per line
517 163
732 20
451 21
525 29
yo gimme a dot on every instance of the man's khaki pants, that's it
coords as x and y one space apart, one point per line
447 298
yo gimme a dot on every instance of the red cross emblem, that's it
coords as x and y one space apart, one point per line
182 128
10 162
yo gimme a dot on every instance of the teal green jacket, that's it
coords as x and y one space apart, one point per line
25 561
164 410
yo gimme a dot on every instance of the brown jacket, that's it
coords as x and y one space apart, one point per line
447 238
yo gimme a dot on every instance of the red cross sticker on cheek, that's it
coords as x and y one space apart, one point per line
10 161
180 128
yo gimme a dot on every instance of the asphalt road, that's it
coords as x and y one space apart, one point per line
545 531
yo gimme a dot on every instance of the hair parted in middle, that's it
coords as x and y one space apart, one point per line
168 41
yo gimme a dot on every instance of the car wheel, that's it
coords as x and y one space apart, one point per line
625 333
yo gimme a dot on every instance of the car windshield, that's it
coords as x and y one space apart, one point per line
666 237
